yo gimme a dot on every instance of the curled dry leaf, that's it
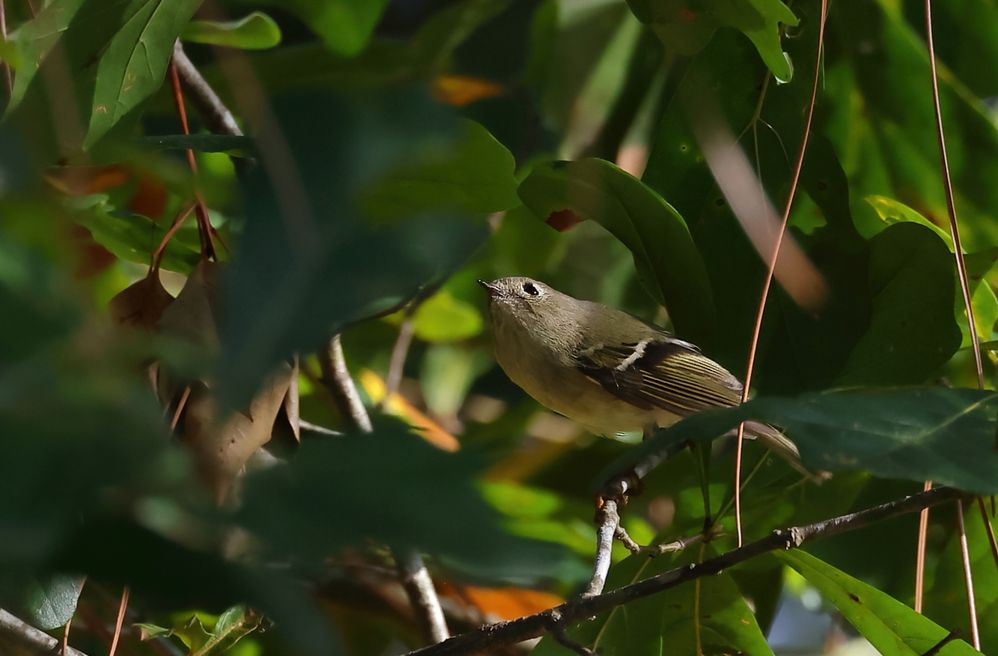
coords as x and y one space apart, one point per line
192 315
287 426
141 305
222 442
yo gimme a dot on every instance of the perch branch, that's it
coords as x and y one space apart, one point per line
578 610
336 377
422 595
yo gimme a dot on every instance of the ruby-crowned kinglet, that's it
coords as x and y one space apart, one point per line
605 369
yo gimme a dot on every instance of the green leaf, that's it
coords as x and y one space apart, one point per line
688 25
345 26
667 262
447 374
891 627
911 327
133 62
255 31
892 211
112 56
474 174
134 237
399 484
927 433
444 318
315 263
52 603
708 616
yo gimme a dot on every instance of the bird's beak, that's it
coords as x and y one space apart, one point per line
490 287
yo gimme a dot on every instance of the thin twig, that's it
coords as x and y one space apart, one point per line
989 529
309 427
204 224
15 631
418 585
923 534
680 544
771 266
119 622
216 116
621 535
491 636
336 377
961 269
400 351
968 577
64 645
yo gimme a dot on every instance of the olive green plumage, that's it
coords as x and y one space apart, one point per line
607 369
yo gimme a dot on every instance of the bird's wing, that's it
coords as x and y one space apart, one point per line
660 372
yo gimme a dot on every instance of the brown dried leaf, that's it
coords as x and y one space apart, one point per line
141 305
222 444
192 315
287 426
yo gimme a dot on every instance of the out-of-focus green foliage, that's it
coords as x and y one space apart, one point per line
174 430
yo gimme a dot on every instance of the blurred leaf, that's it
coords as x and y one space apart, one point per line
890 626
667 262
473 174
721 621
134 237
461 90
884 144
444 318
206 143
447 374
918 434
688 25
306 255
402 491
345 26
255 31
399 406
52 603
35 38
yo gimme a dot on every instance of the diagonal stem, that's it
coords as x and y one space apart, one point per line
771 268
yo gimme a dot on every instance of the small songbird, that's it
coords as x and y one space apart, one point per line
606 369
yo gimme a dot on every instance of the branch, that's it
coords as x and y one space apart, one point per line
577 610
15 631
412 570
336 377
216 116
418 585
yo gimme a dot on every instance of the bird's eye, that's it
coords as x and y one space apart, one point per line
531 288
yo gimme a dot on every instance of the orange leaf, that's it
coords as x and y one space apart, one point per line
397 405
460 90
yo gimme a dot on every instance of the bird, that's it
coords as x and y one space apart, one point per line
606 369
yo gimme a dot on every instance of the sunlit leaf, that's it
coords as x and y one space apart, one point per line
890 626
254 31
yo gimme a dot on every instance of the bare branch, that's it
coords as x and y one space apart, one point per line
578 610
418 585
336 377
15 631
400 352
607 520
414 575
216 116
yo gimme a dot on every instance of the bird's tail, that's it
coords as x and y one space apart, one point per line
774 440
